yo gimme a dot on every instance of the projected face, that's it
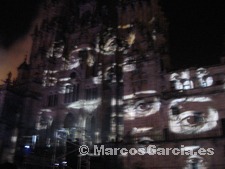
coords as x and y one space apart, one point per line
195 161
90 60
58 49
182 80
44 121
142 108
74 60
203 78
192 115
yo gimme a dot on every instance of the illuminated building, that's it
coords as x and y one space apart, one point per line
98 73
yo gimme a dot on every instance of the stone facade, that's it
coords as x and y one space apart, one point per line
98 73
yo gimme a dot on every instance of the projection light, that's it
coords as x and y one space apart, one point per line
140 130
44 120
108 45
192 115
114 102
64 163
97 80
90 60
77 49
125 26
134 95
131 38
181 81
141 108
195 161
74 63
61 134
203 78
88 105
129 67
145 140
64 79
13 139
27 146
190 148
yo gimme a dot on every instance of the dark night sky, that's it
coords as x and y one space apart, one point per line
196 31
15 19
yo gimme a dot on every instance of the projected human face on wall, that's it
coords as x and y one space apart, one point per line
204 79
195 161
192 115
141 108
44 121
181 81
56 49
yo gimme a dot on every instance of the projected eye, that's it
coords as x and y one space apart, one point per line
142 107
192 119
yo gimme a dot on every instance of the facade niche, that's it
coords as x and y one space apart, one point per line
52 100
71 93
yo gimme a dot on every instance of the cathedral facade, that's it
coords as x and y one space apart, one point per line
98 73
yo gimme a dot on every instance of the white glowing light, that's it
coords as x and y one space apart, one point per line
13 139
190 148
197 160
125 26
131 38
88 105
97 80
64 79
34 139
44 120
190 99
185 74
46 110
109 46
113 102
140 130
129 68
61 134
81 49
146 92
141 109
182 81
192 121
130 96
27 146
203 78
74 65
145 139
